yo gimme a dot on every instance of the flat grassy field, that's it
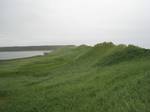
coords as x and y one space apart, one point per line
103 78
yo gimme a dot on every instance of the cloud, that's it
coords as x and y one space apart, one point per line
33 22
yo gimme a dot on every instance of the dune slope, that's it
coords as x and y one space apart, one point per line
103 78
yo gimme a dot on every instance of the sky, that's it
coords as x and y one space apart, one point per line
53 22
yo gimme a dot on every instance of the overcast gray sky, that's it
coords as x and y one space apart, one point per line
40 22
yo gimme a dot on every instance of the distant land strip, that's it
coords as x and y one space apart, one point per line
33 48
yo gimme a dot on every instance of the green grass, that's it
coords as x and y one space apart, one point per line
103 78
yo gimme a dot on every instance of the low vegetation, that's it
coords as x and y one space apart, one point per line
102 78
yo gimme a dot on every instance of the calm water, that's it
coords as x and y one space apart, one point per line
20 54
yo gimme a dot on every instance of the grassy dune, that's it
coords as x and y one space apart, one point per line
103 78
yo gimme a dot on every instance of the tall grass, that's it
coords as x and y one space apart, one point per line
103 78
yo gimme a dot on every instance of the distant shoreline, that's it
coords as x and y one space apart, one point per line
33 48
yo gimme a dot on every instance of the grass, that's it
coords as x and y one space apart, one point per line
103 78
